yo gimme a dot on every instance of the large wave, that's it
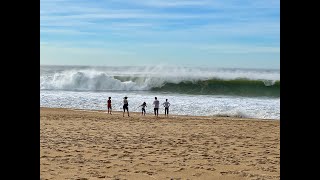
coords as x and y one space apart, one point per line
164 79
238 87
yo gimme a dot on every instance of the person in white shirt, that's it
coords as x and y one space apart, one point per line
156 106
125 105
166 107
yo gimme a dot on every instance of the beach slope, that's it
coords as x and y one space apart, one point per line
78 144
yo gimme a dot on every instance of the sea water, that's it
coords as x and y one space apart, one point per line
196 91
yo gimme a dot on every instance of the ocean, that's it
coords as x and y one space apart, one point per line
195 91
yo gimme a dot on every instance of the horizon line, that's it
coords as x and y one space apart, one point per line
184 66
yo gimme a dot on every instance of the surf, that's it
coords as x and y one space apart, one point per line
202 81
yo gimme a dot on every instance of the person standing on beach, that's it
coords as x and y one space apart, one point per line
125 106
166 107
109 105
156 106
143 105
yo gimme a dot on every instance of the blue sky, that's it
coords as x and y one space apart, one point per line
215 33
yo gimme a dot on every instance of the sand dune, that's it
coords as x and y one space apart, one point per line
76 144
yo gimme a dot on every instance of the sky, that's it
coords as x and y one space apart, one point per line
209 33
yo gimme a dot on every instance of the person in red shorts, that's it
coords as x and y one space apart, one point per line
109 105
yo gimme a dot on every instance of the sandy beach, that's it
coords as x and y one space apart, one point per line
78 144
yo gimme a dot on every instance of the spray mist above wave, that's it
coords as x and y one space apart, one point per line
95 80
167 71
86 80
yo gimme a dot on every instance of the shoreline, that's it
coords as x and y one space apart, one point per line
170 115
92 145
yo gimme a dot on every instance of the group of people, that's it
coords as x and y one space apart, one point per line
156 104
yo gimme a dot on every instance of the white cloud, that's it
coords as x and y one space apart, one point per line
65 31
239 49
170 3
64 54
208 4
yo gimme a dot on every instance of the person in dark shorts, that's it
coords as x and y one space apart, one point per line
109 105
156 106
143 105
166 107
125 105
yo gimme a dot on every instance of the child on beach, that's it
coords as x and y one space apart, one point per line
143 105
166 107
109 105
125 106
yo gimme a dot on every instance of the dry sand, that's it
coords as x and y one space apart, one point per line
76 144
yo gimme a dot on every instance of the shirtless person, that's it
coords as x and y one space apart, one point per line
109 105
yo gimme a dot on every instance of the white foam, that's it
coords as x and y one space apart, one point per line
198 105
